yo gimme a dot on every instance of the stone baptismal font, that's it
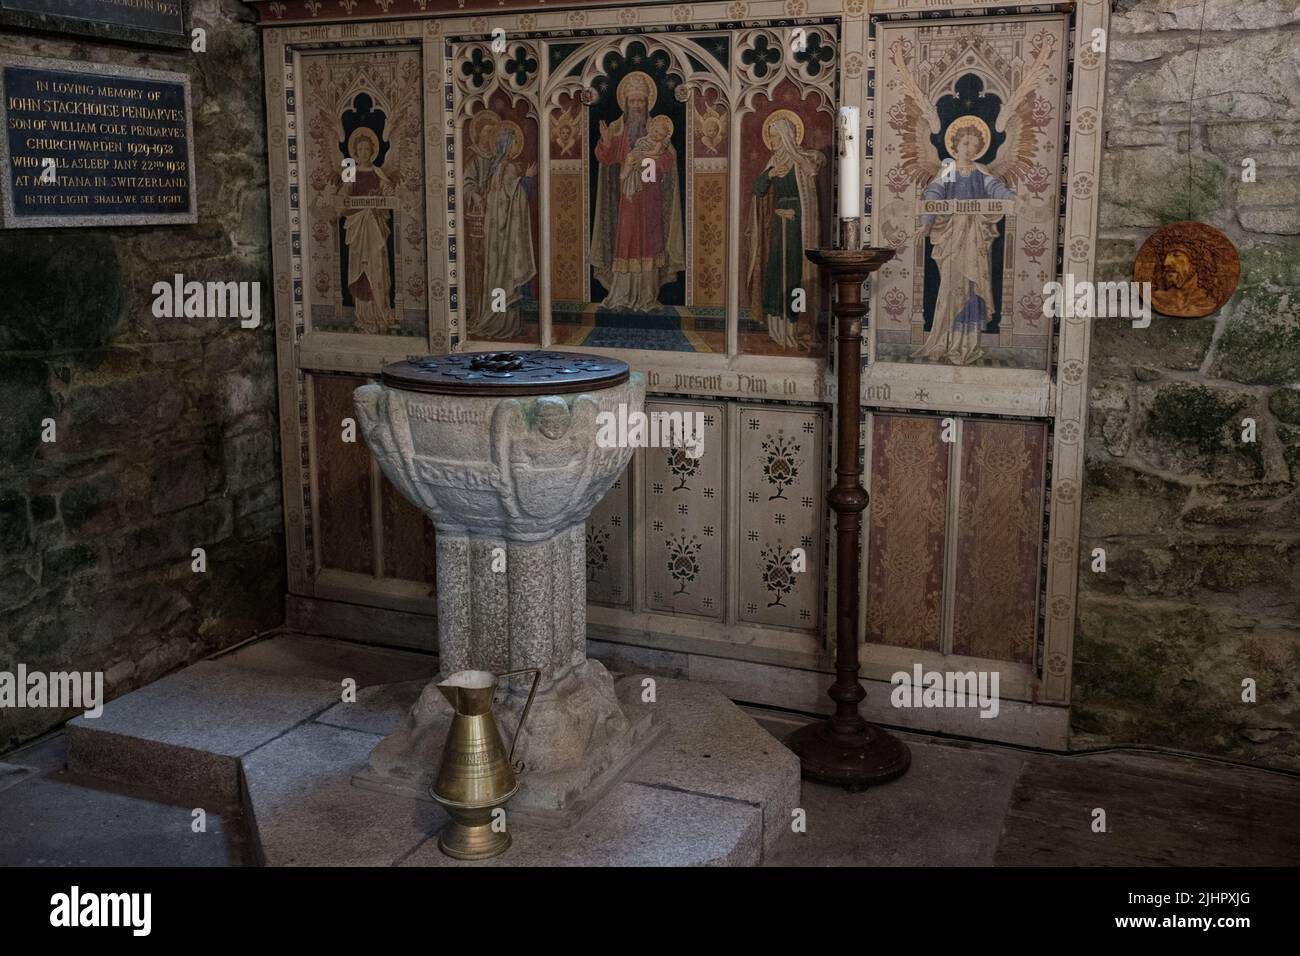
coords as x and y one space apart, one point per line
500 451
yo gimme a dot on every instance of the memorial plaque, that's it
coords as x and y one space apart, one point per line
152 22
92 145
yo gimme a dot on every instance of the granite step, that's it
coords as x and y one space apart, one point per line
265 729
185 734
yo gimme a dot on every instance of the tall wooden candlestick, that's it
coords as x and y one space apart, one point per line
846 749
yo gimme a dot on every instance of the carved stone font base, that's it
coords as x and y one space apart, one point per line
508 483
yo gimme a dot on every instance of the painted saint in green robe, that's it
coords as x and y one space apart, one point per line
783 222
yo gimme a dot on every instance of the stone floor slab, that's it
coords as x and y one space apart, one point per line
713 747
635 825
377 710
264 727
12 774
60 820
184 734
303 810
945 811
328 659
1161 810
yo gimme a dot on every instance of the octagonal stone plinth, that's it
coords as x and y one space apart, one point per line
508 482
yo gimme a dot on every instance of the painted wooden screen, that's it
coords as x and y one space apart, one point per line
489 209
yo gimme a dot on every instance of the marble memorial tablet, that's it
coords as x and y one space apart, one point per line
93 145
152 22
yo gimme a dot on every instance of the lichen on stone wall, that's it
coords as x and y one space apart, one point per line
1260 344
1193 414
1201 526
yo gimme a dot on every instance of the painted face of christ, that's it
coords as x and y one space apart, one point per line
1177 270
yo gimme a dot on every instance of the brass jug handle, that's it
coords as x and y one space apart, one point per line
537 675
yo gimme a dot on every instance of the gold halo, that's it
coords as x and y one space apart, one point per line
517 144
481 119
966 122
659 121
369 134
621 93
795 121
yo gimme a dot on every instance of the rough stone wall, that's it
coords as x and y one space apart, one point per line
1201 530
166 428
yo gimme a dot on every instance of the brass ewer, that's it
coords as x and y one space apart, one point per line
477 775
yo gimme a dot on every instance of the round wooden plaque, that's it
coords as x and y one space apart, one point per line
1193 269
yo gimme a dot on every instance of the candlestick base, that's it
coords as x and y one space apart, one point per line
857 761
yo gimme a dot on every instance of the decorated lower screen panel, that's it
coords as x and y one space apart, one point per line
345 516
685 520
955 527
609 546
363 524
906 522
735 534
782 515
999 540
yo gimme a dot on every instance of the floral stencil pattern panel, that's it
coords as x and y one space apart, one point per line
609 579
684 513
781 516
968 187
363 192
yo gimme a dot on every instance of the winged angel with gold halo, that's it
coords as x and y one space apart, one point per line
962 242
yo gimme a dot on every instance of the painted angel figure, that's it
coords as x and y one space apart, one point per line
363 204
962 243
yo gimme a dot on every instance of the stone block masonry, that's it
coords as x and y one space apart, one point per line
165 428
1201 530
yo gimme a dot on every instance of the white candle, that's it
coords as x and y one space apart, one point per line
850 164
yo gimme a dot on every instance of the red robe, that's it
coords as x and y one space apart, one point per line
640 235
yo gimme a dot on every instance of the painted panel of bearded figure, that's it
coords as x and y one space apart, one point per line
364 256
499 184
968 188
640 171
785 176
